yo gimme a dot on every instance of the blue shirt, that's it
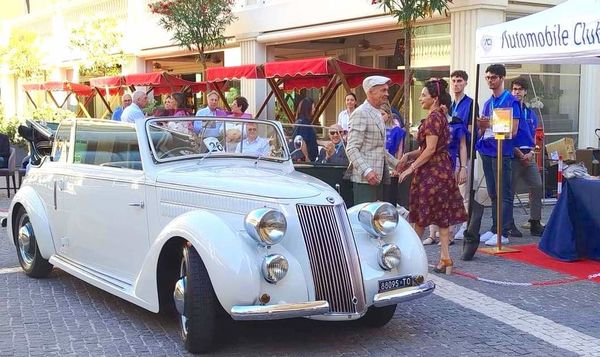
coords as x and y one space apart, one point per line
488 145
393 138
458 130
214 128
525 137
117 113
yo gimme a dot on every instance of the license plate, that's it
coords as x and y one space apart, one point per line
395 283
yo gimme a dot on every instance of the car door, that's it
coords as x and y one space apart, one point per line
55 172
108 229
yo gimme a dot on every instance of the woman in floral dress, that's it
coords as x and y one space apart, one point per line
434 195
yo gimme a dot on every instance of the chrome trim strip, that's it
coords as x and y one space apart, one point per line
402 295
115 282
279 311
354 266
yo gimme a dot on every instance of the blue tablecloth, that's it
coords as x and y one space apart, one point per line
573 230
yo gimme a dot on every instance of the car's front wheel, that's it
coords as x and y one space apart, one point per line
196 303
378 316
29 255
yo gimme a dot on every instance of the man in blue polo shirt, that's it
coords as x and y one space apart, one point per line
461 113
487 147
523 164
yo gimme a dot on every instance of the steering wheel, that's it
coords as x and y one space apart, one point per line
180 151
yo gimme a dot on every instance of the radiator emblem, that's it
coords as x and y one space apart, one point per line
330 199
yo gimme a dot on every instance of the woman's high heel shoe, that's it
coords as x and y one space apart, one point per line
444 266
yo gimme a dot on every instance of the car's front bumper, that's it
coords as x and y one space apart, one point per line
314 308
393 297
279 311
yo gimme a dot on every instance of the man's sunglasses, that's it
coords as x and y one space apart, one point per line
334 133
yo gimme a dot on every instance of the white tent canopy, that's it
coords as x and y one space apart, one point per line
566 33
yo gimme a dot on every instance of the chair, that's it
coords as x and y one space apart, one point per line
10 171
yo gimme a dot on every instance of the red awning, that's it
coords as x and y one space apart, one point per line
110 81
33 86
316 72
222 74
79 89
161 82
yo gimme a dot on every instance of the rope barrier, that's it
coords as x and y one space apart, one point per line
515 283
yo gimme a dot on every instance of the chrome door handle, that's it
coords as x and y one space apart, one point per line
60 184
136 204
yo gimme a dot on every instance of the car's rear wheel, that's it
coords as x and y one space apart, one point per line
378 316
29 255
196 303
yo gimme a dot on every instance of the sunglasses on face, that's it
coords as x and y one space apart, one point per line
334 133
251 129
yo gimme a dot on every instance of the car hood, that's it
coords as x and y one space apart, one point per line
255 181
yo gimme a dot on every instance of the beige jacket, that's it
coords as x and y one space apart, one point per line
366 144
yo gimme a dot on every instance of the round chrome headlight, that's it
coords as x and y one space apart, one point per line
267 226
389 256
274 268
378 218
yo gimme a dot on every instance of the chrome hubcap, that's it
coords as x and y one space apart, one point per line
25 244
179 295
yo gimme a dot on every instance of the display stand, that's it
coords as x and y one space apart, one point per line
502 120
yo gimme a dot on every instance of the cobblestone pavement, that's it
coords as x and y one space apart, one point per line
61 316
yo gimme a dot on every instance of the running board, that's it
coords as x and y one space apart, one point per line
112 285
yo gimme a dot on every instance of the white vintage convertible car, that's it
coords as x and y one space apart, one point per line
207 217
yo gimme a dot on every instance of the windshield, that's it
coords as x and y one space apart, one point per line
183 138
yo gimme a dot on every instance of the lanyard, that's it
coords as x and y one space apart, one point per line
501 100
455 105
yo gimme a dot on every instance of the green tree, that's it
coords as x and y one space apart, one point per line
197 25
407 12
23 55
99 43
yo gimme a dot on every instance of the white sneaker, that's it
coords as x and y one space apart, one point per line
486 236
492 241
460 234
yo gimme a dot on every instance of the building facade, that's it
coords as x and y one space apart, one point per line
353 30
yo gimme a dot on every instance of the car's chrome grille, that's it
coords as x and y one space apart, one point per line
333 257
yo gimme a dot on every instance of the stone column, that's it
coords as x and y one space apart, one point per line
465 17
255 90
589 106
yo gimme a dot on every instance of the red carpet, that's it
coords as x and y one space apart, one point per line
530 254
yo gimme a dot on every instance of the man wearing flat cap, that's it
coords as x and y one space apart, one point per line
369 160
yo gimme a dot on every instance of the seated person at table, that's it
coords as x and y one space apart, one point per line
253 144
334 152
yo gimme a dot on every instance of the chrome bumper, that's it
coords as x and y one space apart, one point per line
405 294
279 311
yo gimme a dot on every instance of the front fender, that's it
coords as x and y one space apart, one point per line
229 260
33 204
413 258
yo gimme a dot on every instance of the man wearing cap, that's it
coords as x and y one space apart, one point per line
369 161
